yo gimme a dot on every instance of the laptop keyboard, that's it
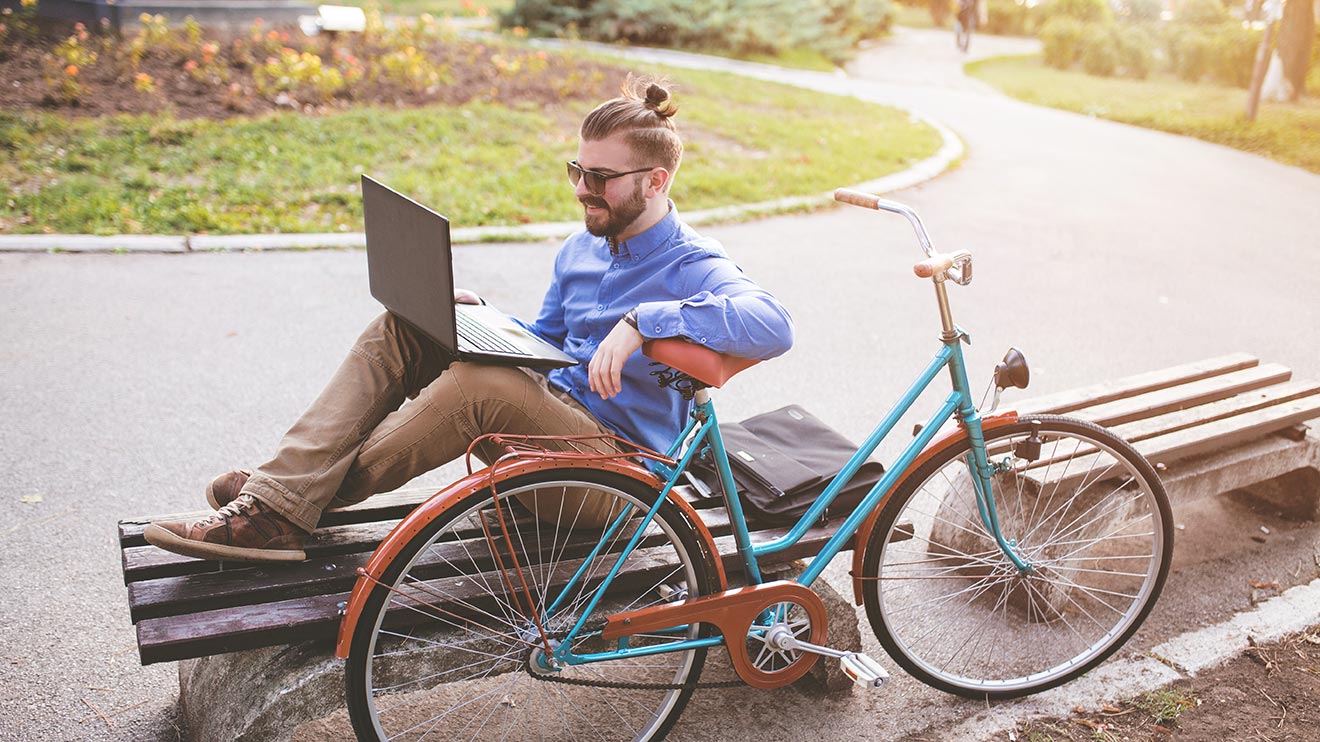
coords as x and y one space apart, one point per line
481 338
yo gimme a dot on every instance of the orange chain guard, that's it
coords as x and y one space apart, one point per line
732 612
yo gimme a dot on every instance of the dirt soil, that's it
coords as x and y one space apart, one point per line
226 87
1269 694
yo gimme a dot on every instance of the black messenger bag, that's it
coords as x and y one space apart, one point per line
783 460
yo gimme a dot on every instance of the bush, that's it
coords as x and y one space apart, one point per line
1201 12
1226 53
1009 17
1234 54
830 27
1099 51
1086 11
1136 51
1193 54
1061 41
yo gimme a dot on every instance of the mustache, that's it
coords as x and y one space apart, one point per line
597 202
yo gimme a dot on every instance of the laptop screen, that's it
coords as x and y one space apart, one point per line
409 262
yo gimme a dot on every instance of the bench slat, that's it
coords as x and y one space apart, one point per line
216 632
1075 399
1140 430
1180 397
1229 431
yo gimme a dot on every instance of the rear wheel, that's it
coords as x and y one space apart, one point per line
1080 505
450 645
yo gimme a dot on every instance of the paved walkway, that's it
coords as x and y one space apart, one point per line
1102 250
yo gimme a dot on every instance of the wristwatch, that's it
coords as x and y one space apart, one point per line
631 318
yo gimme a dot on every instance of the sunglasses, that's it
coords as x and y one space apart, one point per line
596 182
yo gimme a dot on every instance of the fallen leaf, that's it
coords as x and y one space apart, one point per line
1110 709
1078 710
1161 730
31 499
1265 585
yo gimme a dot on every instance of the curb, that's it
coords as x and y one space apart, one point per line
950 151
1181 657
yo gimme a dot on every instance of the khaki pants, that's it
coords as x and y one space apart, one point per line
398 407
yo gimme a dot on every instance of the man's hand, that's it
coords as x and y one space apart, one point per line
606 368
464 296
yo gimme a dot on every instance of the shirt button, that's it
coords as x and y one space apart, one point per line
616 265
657 328
703 340
600 308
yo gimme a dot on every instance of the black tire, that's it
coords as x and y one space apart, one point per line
1088 512
478 684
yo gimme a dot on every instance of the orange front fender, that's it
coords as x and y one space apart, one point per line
455 493
941 443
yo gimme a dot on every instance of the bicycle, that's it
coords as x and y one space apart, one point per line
964 23
566 591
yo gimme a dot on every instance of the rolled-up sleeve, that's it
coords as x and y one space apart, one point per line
725 311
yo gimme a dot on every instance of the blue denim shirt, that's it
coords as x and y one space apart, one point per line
682 284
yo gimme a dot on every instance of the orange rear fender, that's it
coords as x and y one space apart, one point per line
942 443
455 493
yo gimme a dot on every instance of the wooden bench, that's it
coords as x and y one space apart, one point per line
1210 427
185 608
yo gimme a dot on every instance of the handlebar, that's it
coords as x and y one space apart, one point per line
957 266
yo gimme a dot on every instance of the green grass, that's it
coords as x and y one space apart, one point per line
1166 705
483 164
797 58
1214 113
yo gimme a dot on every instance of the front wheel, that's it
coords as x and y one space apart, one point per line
1077 503
452 643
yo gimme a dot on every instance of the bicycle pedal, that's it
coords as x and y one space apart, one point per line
864 671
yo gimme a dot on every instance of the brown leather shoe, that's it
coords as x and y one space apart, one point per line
245 530
223 489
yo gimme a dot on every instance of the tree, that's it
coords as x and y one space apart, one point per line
1296 34
939 11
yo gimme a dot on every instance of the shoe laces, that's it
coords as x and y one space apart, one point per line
239 506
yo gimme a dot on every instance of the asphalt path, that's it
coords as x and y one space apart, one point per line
1101 250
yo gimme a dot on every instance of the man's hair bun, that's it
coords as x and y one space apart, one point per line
657 99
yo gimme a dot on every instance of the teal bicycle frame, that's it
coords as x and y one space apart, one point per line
703 431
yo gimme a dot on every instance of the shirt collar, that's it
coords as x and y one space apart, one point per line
639 246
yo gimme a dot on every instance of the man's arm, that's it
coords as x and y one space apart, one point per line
731 314
550 325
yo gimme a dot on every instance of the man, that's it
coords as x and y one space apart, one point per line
636 272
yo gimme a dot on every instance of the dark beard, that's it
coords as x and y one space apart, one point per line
618 217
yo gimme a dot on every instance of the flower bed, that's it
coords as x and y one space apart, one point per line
191 72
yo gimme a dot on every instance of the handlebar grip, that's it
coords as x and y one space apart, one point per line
937 263
857 198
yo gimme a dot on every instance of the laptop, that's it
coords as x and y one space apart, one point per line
410 265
